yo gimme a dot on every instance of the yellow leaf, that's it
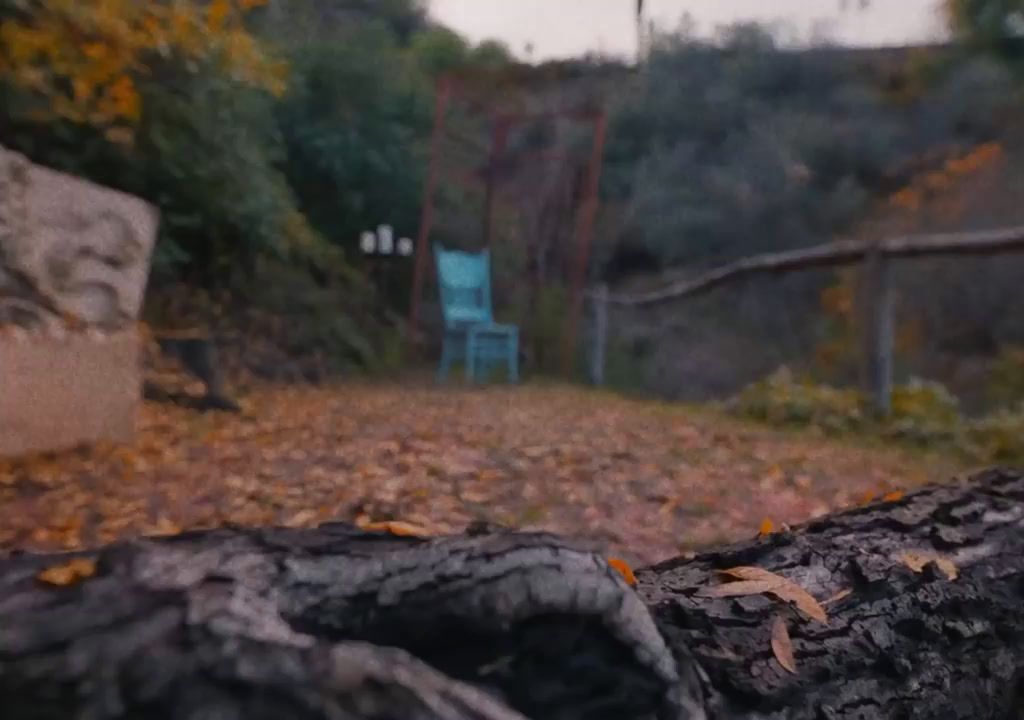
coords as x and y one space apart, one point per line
623 569
165 526
68 573
917 561
767 527
782 645
394 527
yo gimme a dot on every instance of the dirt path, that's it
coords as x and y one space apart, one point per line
646 480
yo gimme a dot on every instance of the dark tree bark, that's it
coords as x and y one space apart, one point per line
340 623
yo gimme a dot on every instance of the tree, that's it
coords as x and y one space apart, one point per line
82 61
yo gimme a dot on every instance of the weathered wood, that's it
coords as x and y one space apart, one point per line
551 629
304 623
901 644
989 242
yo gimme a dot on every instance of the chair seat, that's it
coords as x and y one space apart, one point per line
485 329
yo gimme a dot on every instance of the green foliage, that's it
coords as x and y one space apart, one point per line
991 25
738 147
1006 378
208 154
924 414
999 437
545 328
351 124
440 50
782 399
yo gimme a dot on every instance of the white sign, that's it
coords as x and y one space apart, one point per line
382 242
368 243
385 240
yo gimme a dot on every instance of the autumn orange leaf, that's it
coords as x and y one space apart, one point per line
894 496
782 645
917 561
623 569
767 527
69 573
395 527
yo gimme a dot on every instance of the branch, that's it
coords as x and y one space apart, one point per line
988 242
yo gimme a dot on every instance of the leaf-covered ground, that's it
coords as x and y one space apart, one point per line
645 480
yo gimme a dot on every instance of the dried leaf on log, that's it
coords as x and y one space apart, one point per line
623 569
395 527
782 645
838 596
917 561
69 573
754 580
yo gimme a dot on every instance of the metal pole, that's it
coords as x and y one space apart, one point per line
444 91
585 231
600 339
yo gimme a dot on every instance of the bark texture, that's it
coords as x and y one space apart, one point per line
493 625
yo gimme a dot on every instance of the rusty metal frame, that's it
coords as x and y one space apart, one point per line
448 87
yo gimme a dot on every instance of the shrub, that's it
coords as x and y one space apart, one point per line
781 399
923 413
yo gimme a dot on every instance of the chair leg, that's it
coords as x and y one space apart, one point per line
470 358
513 358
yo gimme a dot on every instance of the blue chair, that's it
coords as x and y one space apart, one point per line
470 333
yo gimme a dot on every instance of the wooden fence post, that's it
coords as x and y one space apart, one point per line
598 349
878 309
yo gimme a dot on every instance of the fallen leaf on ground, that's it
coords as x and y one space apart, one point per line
68 573
752 578
599 462
767 527
917 561
165 526
782 645
395 527
893 496
624 569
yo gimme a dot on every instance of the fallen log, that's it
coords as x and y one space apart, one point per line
926 620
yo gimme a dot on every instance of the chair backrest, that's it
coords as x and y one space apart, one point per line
465 282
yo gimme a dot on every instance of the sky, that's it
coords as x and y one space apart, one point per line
565 28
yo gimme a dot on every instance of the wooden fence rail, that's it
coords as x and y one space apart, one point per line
877 303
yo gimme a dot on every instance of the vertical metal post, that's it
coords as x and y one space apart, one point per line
498 143
585 231
598 351
444 92
877 305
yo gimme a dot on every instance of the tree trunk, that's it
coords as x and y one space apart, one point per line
492 625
